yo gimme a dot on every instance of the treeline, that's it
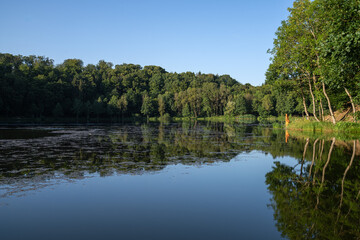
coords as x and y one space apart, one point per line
32 86
316 56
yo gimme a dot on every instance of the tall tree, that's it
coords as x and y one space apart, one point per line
147 107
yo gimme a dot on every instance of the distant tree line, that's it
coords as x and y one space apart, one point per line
316 56
32 86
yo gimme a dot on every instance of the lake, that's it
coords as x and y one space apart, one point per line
189 180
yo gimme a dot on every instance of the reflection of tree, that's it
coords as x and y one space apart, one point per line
313 157
134 149
325 203
303 158
76 153
343 182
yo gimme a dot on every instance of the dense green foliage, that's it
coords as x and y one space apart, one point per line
33 86
315 56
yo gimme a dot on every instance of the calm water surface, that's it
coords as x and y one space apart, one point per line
177 181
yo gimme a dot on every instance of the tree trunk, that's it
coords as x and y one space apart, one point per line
329 104
194 110
352 103
313 101
322 111
304 102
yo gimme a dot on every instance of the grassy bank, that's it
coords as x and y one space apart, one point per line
245 118
313 129
314 126
86 121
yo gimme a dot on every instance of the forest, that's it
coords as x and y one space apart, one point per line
32 86
314 71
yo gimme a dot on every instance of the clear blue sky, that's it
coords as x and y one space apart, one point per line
220 37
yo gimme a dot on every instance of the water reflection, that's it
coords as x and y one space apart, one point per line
78 152
321 199
318 198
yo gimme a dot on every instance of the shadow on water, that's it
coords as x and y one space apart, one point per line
318 198
25 133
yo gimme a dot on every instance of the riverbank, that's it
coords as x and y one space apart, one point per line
118 120
248 118
314 126
311 128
